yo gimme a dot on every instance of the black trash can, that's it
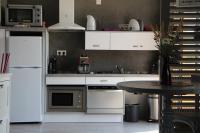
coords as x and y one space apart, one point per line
131 113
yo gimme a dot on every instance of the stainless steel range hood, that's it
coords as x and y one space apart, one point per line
66 17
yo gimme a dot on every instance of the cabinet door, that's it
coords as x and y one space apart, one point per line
3 126
103 80
25 51
97 40
143 78
3 99
105 99
132 41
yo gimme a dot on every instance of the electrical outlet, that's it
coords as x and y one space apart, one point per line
98 2
61 53
64 53
58 53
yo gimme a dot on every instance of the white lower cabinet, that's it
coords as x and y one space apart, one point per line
4 106
147 78
65 80
103 80
3 126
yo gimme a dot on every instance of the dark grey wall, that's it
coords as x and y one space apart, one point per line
109 14
73 43
114 12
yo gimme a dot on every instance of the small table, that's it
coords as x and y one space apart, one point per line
165 94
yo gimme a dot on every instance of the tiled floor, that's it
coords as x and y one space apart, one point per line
140 127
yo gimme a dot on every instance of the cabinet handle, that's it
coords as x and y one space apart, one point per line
141 46
96 45
135 46
100 90
1 86
103 80
1 121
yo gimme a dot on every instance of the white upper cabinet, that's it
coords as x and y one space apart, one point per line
122 40
132 41
97 40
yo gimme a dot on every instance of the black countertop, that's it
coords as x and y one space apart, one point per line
155 87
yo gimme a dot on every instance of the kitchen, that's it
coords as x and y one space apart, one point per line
68 82
79 65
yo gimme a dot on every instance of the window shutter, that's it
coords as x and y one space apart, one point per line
189 47
189 44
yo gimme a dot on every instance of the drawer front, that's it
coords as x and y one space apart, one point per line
147 40
65 80
152 78
133 41
97 40
103 80
105 99
3 126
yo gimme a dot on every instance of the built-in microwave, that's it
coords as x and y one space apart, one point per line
66 98
30 15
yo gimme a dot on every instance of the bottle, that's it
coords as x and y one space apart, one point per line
52 67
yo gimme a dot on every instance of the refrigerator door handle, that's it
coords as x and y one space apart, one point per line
18 67
35 67
26 67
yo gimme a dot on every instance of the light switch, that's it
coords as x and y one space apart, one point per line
98 2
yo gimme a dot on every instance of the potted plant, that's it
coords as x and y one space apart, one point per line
168 50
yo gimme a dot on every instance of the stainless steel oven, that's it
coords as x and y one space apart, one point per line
66 98
30 15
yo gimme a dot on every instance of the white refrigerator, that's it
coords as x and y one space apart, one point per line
26 67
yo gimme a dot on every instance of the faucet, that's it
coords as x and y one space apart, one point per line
120 69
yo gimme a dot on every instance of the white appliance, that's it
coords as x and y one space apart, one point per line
133 25
66 17
105 100
91 23
26 67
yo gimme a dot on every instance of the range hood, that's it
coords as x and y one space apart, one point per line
66 17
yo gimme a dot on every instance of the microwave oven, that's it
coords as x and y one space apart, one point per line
66 98
29 15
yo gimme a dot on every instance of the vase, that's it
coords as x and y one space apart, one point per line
165 73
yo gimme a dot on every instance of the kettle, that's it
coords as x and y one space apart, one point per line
91 23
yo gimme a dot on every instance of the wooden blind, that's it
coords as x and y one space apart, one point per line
189 47
189 44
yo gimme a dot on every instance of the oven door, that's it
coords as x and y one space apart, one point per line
105 100
20 16
65 99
